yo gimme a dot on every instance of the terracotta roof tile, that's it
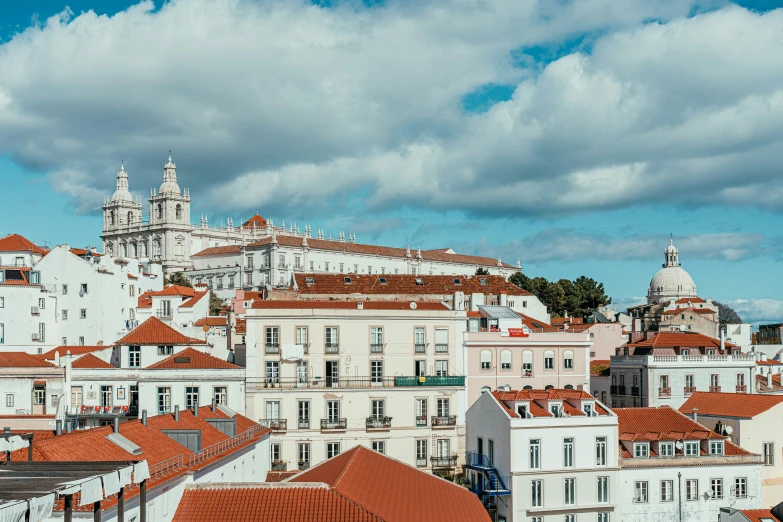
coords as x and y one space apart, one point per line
758 515
255 221
703 311
241 326
275 503
190 303
680 340
279 476
214 251
403 284
75 350
190 358
153 331
599 367
685 300
22 360
211 321
534 324
378 483
17 243
90 361
768 362
307 304
742 405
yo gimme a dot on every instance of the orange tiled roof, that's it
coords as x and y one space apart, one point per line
193 300
211 321
403 284
552 394
599 367
348 305
190 358
89 361
379 483
75 350
279 476
17 243
685 300
742 405
153 331
680 339
214 251
84 251
269 503
702 311
758 515
768 362
255 221
22 360
145 299
533 324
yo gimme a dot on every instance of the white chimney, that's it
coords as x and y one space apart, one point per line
769 379
722 340
503 299
359 305
459 301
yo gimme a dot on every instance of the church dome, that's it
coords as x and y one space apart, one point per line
671 282
122 194
170 185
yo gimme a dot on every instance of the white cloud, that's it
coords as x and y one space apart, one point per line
758 310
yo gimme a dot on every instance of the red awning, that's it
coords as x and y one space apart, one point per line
39 381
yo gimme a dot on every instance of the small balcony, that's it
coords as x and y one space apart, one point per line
163 314
621 390
664 392
376 348
279 465
272 348
276 425
421 462
421 348
303 465
332 348
741 388
447 421
334 424
421 421
444 462
378 422
635 391
527 372
441 348
303 424
689 390
714 389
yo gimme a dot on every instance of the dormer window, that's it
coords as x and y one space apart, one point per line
588 409
419 281
685 352
483 281
692 449
347 280
309 280
716 447
382 280
641 450
556 410
666 449
457 281
522 410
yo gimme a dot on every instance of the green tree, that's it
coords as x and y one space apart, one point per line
578 298
178 279
215 304
482 271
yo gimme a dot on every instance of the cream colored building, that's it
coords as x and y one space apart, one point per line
329 375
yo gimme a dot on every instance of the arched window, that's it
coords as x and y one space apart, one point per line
528 387
549 360
179 211
160 210
486 389
505 360
156 248
110 249
132 250
130 218
180 248
527 363
548 387
112 218
568 387
486 360
123 250
568 359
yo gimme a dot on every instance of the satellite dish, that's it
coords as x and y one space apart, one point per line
708 494
728 430
678 444
413 306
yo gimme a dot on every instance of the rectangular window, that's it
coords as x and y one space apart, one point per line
570 518
301 337
274 452
537 493
568 452
272 339
549 360
83 289
333 411
691 449
603 490
65 289
641 450
331 339
443 407
691 489
65 315
165 350
420 368
303 414
220 394
689 381
421 453
301 372
716 447
741 487
769 453
9 400
2 333
379 446
134 356
81 341
716 486
441 368
441 340
39 395
600 451
377 407
332 449
272 372
666 449
420 340
714 380
535 453
41 332
640 491
569 489
76 398
376 371
273 410
326 267
421 413
603 517
376 339
667 491
83 313
304 453
164 400
41 303
191 397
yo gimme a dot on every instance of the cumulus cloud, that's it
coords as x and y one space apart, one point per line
758 310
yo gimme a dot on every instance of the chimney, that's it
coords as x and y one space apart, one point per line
195 410
722 340
176 413
116 424
58 430
763 356
459 301
144 417
694 414
769 379
68 427
502 299
214 406
6 430
359 305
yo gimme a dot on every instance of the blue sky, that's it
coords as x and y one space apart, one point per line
575 136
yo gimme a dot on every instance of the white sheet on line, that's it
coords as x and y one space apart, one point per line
17 442
111 483
41 507
91 491
4 446
125 476
13 512
140 471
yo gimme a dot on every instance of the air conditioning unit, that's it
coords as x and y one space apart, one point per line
35 310
36 337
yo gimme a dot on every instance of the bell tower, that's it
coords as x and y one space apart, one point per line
121 214
170 219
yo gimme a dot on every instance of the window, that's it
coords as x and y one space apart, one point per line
714 379
691 449
556 410
537 493
303 414
83 313
421 413
301 372
741 487
441 368
332 449
134 356
41 303
535 453
691 489
326 267
640 491
603 490
333 411
443 447
505 360
740 379
165 350
769 454
304 453
716 447
191 397
666 449
41 331
549 360
9 400
301 337
281 261
527 363
274 452
272 339
76 398
377 407
569 490
2 333
568 359
273 372
331 339
486 360
441 340
376 371
164 400
716 486
421 453
219 393
600 451
667 491
641 449
81 341
419 340
570 518
273 410
379 446
568 452
376 339
603 517
442 407
65 289
65 315
39 395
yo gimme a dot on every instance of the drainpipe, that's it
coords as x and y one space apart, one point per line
679 495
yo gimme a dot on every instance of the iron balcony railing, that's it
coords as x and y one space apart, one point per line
421 348
714 389
431 380
421 421
303 424
421 462
446 421
334 424
279 465
278 425
441 348
689 390
332 348
664 392
356 382
272 348
164 314
635 391
742 388
303 465
376 348
444 462
378 422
